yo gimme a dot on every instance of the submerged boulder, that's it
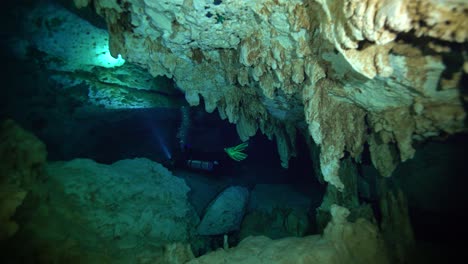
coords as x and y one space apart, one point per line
225 212
133 202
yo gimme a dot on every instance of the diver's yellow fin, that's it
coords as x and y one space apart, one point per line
236 152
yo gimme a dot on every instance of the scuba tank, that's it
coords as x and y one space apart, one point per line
201 165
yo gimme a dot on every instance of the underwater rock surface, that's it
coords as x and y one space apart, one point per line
76 54
22 157
342 242
134 201
346 72
225 212
340 84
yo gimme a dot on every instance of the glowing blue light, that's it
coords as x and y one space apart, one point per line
166 151
104 58
164 148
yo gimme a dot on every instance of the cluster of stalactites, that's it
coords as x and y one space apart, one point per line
353 71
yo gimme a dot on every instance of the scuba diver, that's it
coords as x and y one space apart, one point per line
189 158
208 162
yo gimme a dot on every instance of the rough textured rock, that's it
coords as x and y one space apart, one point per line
225 212
22 157
348 198
76 54
146 202
342 242
84 212
364 242
382 72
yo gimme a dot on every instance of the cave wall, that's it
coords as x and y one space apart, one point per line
350 72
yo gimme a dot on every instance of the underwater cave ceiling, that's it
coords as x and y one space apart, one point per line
348 72
76 54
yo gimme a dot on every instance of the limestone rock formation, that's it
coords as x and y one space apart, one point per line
86 212
348 198
342 242
146 202
350 71
22 157
76 54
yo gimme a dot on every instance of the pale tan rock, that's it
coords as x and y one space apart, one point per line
341 63
383 155
342 242
336 126
444 20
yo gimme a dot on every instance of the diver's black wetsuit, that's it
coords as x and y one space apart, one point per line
189 158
